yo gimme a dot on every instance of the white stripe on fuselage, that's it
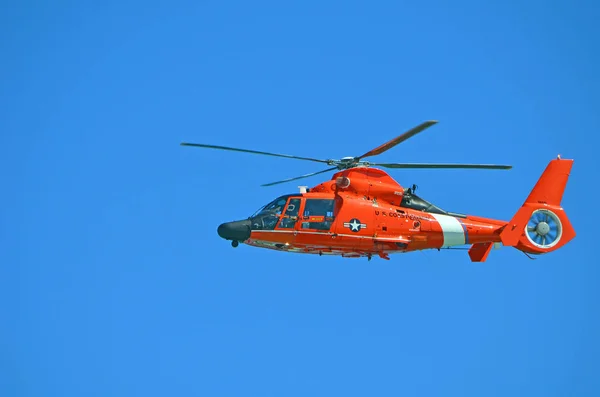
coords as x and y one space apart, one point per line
454 234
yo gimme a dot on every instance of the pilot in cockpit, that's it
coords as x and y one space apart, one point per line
291 214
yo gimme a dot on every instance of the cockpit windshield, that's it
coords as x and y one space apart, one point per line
267 216
275 206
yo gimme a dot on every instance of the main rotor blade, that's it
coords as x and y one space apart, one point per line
299 177
432 165
252 151
399 139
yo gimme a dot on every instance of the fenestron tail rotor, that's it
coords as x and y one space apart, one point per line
351 162
544 228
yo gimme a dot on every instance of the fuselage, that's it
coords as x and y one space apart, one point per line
359 212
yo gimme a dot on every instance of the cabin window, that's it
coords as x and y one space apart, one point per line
318 214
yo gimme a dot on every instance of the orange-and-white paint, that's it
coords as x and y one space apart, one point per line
369 220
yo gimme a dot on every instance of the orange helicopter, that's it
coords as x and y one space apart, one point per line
362 211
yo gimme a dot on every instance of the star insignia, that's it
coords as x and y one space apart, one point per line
355 225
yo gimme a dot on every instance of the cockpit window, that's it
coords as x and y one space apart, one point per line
275 205
266 217
290 216
264 221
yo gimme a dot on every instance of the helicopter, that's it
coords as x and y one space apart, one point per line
363 212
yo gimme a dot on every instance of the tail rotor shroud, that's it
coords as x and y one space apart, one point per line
544 228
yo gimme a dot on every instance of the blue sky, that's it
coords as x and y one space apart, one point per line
113 280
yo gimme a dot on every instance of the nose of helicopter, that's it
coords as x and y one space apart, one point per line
235 231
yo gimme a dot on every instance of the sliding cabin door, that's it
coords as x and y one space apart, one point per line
315 223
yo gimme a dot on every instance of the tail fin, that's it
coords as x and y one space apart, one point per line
541 225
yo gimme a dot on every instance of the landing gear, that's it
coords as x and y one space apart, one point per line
235 243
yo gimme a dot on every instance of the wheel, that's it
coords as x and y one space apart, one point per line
234 243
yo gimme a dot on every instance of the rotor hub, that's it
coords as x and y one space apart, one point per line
348 162
542 228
